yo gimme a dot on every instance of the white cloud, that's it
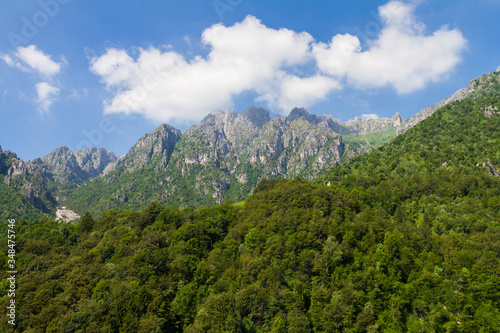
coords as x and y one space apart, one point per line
402 57
115 67
46 95
296 91
29 59
14 63
7 59
367 116
38 61
247 56
165 86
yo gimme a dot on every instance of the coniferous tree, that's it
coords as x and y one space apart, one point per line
87 223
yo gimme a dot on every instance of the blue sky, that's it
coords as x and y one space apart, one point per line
104 73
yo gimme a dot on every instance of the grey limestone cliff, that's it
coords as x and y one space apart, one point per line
228 153
63 165
158 145
95 162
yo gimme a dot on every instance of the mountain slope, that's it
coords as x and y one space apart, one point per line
22 189
462 137
62 165
31 189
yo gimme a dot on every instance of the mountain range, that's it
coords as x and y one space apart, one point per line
220 159
404 238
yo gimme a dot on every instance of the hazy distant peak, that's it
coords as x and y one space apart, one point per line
257 115
297 113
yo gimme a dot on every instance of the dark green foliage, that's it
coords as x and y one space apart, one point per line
296 258
86 223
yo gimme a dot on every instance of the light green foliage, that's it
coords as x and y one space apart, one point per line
370 141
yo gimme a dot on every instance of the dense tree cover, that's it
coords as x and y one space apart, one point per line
296 258
399 242
441 156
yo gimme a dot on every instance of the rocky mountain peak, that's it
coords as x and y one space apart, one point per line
256 115
485 84
94 161
297 113
218 120
60 151
5 165
164 128
159 142
63 165
214 117
361 126
397 120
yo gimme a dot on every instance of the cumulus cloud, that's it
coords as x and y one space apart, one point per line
296 91
30 59
38 60
46 94
250 57
8 60
367 116
402 56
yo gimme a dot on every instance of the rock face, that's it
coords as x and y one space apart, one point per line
158 145
491 111
94 162
62 165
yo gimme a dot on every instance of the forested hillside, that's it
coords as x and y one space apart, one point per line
403 239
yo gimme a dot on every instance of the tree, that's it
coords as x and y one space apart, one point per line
87 223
